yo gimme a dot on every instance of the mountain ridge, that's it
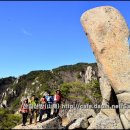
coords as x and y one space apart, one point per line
78 83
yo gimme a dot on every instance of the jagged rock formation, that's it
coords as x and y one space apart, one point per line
5 83
108 35
90 75
7 95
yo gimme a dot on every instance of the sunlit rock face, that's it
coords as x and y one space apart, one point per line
90 75
108 35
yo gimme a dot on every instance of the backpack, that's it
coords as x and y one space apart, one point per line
24 108
36 100
49 99
43 100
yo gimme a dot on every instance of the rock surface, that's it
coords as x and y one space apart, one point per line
108 35
79 123
55 123
90 75
80 113
105 122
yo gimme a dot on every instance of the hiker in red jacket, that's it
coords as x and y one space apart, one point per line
24 110
43 102
57 102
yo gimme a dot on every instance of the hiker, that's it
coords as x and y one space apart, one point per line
42 107
57 102
49 99
24 110
33 110
36 110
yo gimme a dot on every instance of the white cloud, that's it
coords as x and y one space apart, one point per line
24 31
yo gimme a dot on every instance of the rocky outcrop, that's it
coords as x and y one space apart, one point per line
103 121
5 84
80 113
90 75
6 96
80 118
79 123
108 35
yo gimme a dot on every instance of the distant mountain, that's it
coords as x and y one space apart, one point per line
78 83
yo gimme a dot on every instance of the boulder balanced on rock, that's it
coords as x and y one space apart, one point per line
108 35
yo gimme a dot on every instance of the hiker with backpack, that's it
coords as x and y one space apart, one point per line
49 99
57 102
24 110
33 109
43 102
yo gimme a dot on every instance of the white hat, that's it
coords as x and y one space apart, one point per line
45 94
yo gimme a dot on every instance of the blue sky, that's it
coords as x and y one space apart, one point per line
45 35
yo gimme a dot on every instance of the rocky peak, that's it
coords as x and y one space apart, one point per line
108 34
90 75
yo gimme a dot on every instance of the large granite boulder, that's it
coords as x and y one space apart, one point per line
108 35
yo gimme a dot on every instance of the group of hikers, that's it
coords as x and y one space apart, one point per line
35 107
